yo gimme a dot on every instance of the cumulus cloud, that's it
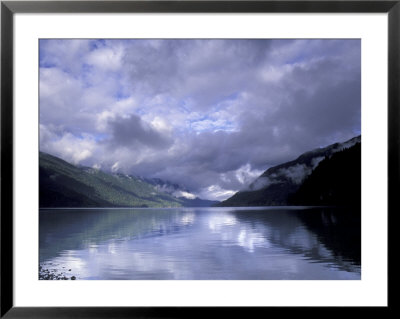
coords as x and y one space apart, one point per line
211 115
71 148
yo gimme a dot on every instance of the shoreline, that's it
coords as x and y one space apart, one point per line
53 274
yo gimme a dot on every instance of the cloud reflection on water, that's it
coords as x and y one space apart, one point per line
189 244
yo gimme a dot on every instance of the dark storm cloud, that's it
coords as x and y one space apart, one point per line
194 69
131 131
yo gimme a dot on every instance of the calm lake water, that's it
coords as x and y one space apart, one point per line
201 243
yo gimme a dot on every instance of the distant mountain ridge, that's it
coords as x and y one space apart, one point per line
277 185
62 184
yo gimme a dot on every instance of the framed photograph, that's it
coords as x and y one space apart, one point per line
162 156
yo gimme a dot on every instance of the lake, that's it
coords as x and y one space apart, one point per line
260 243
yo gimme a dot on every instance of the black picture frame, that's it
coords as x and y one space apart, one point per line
9 8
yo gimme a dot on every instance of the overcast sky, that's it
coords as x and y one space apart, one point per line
211 115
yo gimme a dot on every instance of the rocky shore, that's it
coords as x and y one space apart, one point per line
54 274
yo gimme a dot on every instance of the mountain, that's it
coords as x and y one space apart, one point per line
335 181
62 184
279 184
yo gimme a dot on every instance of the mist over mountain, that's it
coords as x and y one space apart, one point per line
287 183
181 192
62 184
335 181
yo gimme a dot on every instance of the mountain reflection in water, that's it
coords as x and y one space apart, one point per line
202 243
